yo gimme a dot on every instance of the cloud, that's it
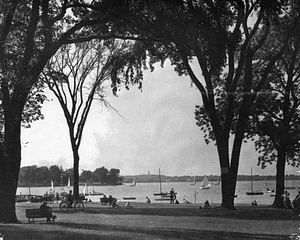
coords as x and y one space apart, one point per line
157 130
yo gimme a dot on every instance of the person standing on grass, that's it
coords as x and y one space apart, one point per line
172 196
286 200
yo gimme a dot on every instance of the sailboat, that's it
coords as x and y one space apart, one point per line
69 182
194 182
86 192
94 193
205 184
52 190
162 195
218 181
289 187
254 192
133 184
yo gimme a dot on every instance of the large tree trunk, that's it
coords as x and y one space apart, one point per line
76 171
280 167
227 179
10 160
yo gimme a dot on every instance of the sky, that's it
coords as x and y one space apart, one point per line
152 129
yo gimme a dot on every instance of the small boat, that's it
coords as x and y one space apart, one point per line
22 198
205 184
259 192
86 192
286 185
194 182
162 196
129 198
218 181
269 190
133 184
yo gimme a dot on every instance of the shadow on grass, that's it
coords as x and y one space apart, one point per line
247 213
171 233
107 232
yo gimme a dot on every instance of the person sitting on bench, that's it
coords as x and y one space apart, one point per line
47 211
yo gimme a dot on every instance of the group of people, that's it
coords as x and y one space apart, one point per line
110 200
206 205
287 204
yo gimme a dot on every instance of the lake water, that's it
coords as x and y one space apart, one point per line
184 190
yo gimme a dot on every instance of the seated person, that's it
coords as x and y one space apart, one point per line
186 201
104 199
114 202
148 200
110 199
47 211
176 201
254 203
70 198
128 205
206 204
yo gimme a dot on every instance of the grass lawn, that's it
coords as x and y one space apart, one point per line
156 221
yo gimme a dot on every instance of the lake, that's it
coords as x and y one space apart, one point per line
184 190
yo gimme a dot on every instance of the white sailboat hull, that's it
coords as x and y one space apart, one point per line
205 184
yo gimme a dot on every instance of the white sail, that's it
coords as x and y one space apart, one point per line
69 183
194 182
133 183
205 184
52 186
85 189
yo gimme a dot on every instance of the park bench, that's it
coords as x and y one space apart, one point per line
37 213
107 201
103 201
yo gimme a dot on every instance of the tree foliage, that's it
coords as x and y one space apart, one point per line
79 73
30 34
248 82
43 176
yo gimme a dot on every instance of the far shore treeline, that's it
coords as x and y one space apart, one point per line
43 176
211 178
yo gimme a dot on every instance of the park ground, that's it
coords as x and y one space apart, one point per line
155 221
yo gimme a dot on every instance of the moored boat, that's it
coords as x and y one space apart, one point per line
259 192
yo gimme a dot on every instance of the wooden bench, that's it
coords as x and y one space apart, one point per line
37 213
103 201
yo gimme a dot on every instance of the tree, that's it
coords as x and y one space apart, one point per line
101 175
78 74
276 114
55 174
30 34
86 176
42 175
223 38
114 177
